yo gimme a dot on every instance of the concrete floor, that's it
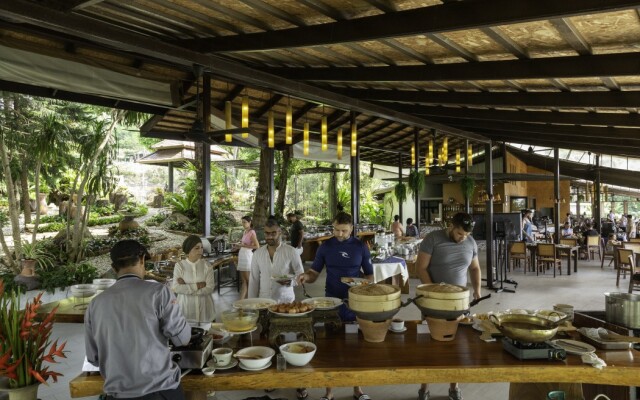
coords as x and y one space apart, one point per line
585 290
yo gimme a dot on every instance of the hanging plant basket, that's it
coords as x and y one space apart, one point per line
416 182
400 190
467 185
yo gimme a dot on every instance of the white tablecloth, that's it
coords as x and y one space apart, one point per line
390 267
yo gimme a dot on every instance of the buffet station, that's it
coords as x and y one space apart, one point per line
261 344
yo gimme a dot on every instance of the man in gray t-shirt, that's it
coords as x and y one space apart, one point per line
445 256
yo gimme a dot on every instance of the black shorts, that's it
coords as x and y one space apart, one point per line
169 394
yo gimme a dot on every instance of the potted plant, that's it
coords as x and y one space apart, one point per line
416 182
34 254
467 186
400 190
25 346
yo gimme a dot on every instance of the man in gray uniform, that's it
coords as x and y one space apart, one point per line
127 328
446 256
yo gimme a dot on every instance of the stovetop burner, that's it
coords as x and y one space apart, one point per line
199 344
533 351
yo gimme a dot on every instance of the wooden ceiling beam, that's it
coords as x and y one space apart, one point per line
577 118
572 131
419 21
623 64
603 99
105 34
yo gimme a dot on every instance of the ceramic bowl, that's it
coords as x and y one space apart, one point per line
264 353
83 290
208 371
298 353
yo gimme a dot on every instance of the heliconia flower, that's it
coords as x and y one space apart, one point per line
4 359
37 375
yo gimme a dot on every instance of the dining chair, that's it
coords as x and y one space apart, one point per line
632 246
610 250
547 258
623 264
593 246
569 242
517 253
634 277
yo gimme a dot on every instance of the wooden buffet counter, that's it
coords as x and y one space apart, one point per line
407 358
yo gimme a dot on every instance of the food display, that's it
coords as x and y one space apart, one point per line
354 281
239 320
324 303
292 309
257 303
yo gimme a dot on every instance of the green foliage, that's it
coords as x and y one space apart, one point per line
134 208
188 227
47 219
6 276
416 182
221 221
109 219
37 251
51 227
55 278
99 246
140 234
372 213
82 272
186 203
467 185
400 190
158 218
102 211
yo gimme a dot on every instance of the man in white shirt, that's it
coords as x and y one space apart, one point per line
275 260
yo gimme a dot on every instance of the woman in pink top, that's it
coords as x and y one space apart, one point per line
248 243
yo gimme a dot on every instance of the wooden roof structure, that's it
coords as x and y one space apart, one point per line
179 153
544 72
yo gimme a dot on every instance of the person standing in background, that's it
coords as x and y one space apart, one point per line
194 283
396 226
296 232
527 226
631 227
247 245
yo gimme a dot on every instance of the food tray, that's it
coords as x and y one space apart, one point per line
599 344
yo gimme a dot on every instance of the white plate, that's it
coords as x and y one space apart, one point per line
354 281
478 326
574 346
242 332
231 364
255 369
323 303
400 331
257 303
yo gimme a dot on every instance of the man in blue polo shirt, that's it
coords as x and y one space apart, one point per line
344 256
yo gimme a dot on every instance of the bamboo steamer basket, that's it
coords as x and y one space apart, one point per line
442 300
376 302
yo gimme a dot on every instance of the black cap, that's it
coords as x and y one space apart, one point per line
127 249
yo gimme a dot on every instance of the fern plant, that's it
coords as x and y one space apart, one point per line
467 185
416 182
400 190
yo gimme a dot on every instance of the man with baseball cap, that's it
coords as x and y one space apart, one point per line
127 327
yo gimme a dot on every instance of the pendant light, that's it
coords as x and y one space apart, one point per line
227 121
470 155
339 144
270 130
458 160
245 115
413 155
323 132
354 138
288 124
305 139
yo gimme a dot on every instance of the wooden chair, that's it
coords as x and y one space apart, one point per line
517 253
623 264
634 278
593 246
569 242
547 258
610 250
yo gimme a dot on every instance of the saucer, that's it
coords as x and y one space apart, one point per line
254 369
231 364
399 331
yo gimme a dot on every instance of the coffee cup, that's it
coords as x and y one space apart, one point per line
221 356
397 324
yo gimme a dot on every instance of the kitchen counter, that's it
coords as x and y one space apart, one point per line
406 358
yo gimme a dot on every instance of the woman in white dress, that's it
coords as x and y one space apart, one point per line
194 283
247 245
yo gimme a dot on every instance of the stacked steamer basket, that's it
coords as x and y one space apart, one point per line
374 306
443 305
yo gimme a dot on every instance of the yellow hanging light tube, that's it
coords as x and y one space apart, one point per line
227 121
305 139
245 115
270 130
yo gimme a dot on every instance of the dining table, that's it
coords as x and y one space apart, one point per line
571 251
346 359
391 267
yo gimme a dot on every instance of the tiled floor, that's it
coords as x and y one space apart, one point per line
584 290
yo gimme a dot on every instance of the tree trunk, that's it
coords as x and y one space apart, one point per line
202 202
13 204
261 205
333 193
282 184
24 193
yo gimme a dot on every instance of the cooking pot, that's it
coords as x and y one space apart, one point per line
623 309
525 328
